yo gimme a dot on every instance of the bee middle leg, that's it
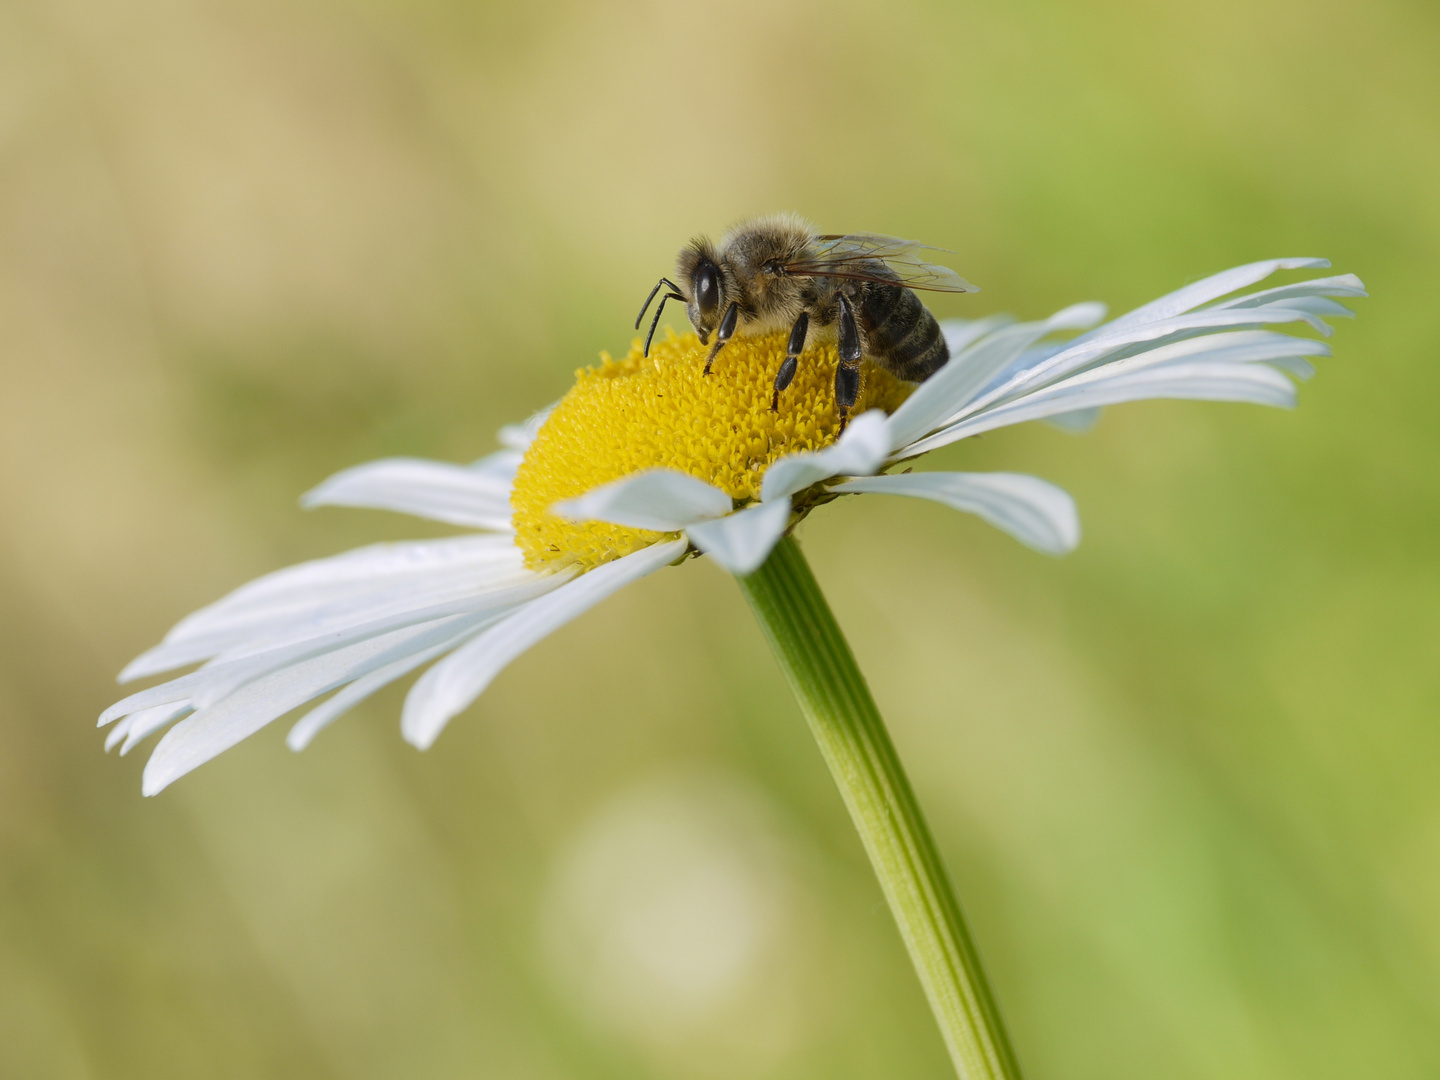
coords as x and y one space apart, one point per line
792 356
722 335
847 372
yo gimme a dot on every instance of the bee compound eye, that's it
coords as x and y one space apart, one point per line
707 289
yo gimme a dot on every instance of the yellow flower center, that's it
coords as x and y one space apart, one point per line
637 413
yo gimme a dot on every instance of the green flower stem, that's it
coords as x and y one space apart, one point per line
842 715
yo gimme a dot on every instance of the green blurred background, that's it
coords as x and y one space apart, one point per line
1187 780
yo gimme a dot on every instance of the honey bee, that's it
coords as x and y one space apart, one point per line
775 272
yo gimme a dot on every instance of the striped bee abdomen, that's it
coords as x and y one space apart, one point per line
900 333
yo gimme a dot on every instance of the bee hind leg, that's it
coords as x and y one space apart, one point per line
792 355
847 372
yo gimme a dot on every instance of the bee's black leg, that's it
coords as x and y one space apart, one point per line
673 294
792 355
727 328
847 372
663 281
656 321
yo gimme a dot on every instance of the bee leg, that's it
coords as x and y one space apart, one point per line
663 281
727 328
656 321
673 294
792 355
847 372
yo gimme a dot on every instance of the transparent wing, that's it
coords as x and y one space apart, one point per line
876 245
854 255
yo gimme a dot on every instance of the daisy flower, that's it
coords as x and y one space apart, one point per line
646 461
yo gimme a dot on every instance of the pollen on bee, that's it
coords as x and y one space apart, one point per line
622 416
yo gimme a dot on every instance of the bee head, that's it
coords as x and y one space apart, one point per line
703 275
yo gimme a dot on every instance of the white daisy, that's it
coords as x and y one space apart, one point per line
646 461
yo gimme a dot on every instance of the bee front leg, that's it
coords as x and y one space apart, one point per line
847 373
727 328
792 355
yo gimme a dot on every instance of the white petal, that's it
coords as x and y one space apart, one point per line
1077 316
501 465
1077 422
1258 384
1242 346
1239 346
220 679
961 333
520 436
1031 358
456 681
361 616
118 732
334 588
362 606
664 500
1315 305
368 563
457 494
968 372
347 697
1161 366
1089 351
1339 285
147 722
1210 321
742 541
341 574
210 731
859 452
1210 288
1294 366
175 690
224 676
311 623
1033 511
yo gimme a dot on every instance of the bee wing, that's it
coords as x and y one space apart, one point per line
846 256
